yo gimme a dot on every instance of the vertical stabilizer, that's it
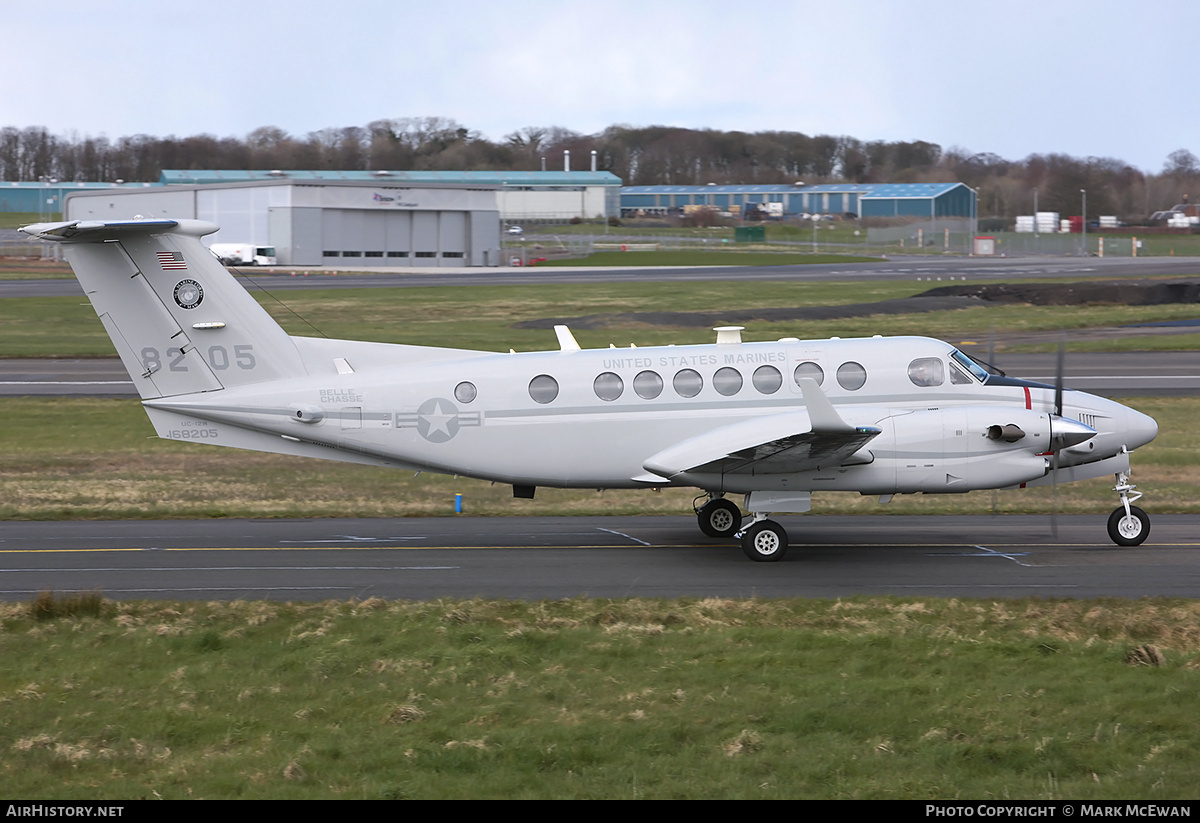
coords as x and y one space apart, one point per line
178 319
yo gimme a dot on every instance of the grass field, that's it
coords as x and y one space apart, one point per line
16 219
33 269
846 237
483 317
67 458
864 698
722 257
79 458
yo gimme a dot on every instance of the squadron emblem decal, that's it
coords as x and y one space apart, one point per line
188 294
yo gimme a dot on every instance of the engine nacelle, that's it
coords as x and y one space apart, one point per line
963 448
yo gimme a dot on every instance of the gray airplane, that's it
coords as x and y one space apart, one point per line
771 421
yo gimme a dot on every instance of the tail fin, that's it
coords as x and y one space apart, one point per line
179 320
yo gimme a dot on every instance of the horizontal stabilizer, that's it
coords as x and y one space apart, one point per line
96 231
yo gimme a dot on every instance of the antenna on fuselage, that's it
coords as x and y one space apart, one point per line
566 340
728 335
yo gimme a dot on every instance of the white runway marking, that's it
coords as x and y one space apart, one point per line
66 383
627 537
211 589
988 553
349 538
239 569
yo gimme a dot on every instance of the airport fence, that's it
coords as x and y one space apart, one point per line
552 246
36 249
1096 245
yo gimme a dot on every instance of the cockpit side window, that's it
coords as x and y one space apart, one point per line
957 377
970 366
927 371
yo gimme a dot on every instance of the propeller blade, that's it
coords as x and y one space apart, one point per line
1058 376
1058 410
1054 504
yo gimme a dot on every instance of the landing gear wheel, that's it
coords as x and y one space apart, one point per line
1128 529
719 518
765 541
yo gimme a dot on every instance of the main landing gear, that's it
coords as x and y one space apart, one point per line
719 517
762 540
1128 525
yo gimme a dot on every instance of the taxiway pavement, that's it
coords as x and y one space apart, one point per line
1111 374
932 269
532 558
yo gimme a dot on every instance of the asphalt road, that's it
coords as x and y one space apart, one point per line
1174 373
37 377
1125 374
532 558
908 268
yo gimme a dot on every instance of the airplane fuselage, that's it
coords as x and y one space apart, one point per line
774 420
594 418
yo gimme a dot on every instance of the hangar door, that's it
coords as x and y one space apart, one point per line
395 238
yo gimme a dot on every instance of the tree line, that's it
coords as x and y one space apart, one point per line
639 155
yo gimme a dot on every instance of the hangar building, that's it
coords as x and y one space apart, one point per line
915 200
318 222
384 218
46 198
521 196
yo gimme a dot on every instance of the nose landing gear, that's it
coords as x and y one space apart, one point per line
1128 525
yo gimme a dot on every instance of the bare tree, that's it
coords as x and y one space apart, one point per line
639 155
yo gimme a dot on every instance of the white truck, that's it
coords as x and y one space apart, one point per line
244 254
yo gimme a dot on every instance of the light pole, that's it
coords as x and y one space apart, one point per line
1035 218
1083 227
974 220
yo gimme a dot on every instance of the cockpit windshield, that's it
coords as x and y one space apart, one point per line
977 371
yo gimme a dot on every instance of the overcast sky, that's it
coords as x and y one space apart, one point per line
1013 77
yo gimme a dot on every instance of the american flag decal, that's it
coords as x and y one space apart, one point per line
171 261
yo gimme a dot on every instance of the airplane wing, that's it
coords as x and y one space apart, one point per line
780 444
787 455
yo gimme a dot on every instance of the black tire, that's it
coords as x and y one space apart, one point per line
719 518
1128 531
765 541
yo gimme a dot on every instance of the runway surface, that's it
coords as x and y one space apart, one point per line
933 269
531 558
534 558
1136 373
1120 374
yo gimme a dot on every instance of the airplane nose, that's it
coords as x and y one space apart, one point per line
1140 428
